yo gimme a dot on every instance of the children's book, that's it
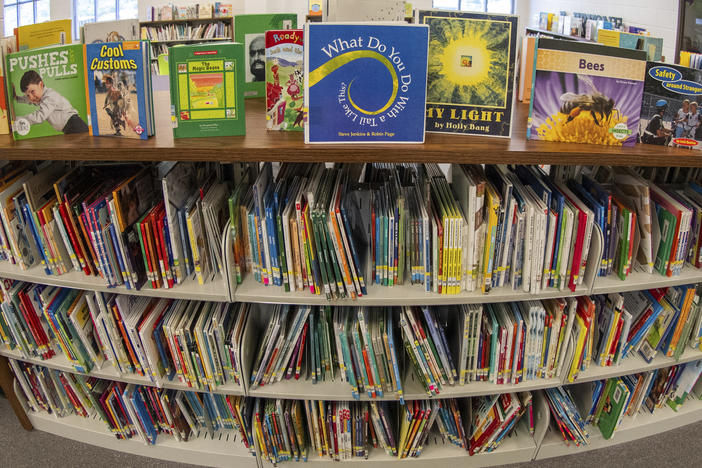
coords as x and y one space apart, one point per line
670 114
206 89
119 89
46 91
365 82
470 83
49 33
7 45
284 80
110 31
586 93
250 30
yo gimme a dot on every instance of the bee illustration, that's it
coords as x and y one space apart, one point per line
573 104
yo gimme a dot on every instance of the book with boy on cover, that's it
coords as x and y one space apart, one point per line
365 82
670 111
119 89
250 30
207 95
284 80
48 33
470 83
46 91
586 93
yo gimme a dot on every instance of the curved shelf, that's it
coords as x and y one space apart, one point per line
225 450
637 281
251 291
216 290
634 364
643 425
262 145
60 362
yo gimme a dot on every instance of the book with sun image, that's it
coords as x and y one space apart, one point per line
470 84
365 82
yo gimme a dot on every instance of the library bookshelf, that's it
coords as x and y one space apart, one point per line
188 22
259 145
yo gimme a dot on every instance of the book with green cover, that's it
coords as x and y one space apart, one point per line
46 91
667 222
615 404
250 30
206 90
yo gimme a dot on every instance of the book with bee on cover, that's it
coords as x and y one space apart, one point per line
586 93
470 83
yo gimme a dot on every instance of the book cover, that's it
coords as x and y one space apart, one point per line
119 89
110 31
586 93
284 80
49 33
250 30
365 82
206 89
470 83
669 111
46 91
7 45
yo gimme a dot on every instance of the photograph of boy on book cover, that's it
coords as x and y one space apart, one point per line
53 107
113 88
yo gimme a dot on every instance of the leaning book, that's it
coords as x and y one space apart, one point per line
207 95
284 80
586 93
46 91
119 89
365 82
470 83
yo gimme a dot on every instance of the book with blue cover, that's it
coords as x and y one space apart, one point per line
365 83
119 89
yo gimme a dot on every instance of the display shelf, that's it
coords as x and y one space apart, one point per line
224 450
643 425
185 20
201 39
216 290
305 389
252 291
633 364
60 362
638 281
260 144
413 389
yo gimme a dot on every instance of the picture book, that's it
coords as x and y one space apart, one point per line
284 80
110 31
670 114
206 89
119 89
586 93
470 83
46 91
250 30
7 45
49 33
365 82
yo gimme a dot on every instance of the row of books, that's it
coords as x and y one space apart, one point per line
576 410
197 343
133 225
206 10
134 411
614 398
177 32
611 327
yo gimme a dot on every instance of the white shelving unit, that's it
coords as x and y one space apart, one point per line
225 450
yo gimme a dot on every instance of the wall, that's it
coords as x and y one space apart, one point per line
657 16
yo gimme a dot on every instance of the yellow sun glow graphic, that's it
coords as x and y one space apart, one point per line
454 68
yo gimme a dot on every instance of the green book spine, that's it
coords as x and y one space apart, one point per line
667 222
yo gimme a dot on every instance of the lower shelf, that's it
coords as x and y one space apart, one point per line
643 425
224 451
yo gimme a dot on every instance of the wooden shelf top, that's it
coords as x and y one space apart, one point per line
262 145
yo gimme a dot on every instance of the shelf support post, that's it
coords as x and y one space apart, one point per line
8 388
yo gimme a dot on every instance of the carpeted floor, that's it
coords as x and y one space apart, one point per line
678 448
